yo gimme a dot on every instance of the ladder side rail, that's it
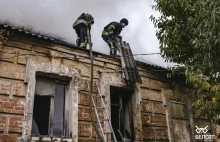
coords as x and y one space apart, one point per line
134 63
97 116
130 63
126 58
114 137
96 113
119 48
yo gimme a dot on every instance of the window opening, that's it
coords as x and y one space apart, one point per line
121 112
49 108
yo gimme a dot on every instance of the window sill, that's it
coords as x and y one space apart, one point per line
49 139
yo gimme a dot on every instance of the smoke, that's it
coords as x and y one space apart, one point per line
55 18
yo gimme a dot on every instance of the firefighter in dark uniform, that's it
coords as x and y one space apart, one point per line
112 31
80 25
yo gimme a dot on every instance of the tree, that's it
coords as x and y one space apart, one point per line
189 35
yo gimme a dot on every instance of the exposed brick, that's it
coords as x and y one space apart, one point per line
84 114
5 87
85 129
12 105
155 133
11 71
155 107
149 133
83 99
153 120
15 124
18 89
151 94
8 138
3 123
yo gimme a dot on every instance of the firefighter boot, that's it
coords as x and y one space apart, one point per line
78 41
111 51
83 45
115 51
111 48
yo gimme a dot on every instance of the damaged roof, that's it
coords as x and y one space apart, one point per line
59 41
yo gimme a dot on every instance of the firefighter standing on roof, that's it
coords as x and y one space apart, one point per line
80 25
112 31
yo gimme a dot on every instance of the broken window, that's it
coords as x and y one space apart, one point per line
49 108
121 112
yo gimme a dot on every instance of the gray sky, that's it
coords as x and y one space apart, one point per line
55 18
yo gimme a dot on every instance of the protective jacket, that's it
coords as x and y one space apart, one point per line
83 22
85 19
113 29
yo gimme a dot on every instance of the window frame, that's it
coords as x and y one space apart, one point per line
65 126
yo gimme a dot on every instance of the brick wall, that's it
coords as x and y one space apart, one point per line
12 95
13 89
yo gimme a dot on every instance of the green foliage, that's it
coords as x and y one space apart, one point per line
189 34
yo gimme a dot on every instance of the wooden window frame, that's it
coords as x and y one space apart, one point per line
52 100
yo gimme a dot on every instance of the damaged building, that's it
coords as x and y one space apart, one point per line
44 85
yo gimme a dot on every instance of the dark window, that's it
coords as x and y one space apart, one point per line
121 112
49 108
41 114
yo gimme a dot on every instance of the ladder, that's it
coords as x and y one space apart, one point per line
106 116
128 64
